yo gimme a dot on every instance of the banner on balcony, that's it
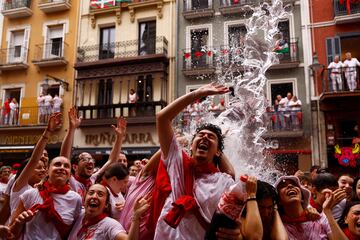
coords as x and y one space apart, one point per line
104 3
348 2
347 156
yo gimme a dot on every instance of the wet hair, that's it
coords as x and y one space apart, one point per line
322 170
305 178
212 128
349 205
325 180
354 196
118 170
265 190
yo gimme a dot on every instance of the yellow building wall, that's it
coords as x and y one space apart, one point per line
33 77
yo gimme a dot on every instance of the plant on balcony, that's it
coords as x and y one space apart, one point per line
348 2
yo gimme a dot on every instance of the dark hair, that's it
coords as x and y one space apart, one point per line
324 180
354 196
107 209
314 167
305 178
345 174
265 190
118 170
349 205
215 129
5 167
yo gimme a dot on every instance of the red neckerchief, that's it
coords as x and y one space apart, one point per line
315 205
302 218
104 183
51 215
186 202
4 181
84 181
86 224
349 235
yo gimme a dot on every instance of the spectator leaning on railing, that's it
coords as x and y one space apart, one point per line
335 74
350 65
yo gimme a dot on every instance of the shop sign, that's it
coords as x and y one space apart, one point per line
108 138
23 140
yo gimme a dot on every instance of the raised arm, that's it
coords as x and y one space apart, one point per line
151 167
53 124
74 122
166 115
120 131
278 231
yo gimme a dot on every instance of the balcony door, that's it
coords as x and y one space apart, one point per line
199 44
236 40
147 38
17 51
105 95
107 43
199 4
54 45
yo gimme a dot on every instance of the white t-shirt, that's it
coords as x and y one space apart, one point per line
292 104
113 200
47 100
207 193
106 229
283 104
67 205
13 106
335 67
57 102
351 64
15 197
79 187
40 101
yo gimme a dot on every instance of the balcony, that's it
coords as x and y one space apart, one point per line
198 9
14 58
338 95
122 51
16 8
137 4
228 7
50 54
50 6
200 62
100 9
344 15
288 55
284 124
26 117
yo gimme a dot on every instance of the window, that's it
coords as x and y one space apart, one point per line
280 89
145 88
105 96
236 36
147 38
199 42
54 42
11 101
107 43
333 48
199 4
16 49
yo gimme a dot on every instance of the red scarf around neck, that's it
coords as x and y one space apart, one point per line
90 222
4 181
315 205
349 235
302 218
49 210
186 202
104 183
84 181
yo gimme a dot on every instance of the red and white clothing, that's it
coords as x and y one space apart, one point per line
106 229
47 103
115 199
15 197
139 188
335 75
309 230
350 72
207 191
67 205
81 187
57 101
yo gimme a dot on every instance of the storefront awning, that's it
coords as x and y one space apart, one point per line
288 151
128 151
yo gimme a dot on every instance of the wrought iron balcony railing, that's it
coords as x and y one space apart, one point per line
17 54
50 51
194 5
13 4
284 121
124 49
341 9
338 80
235 3
197 59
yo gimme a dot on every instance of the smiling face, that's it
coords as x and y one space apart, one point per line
86 164
205 146
5 173
96 200
39 173
59 171
352 219
346 182
122 159
289 192
117 185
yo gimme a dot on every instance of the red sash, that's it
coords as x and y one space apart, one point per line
86 224
49 210
349 235
84 181
104 183
315 205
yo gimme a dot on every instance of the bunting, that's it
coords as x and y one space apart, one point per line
103 3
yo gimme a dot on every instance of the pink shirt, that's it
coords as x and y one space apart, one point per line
139 188
310 230
207 192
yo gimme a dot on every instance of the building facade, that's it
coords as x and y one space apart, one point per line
336 114
209 30
37 57
125 67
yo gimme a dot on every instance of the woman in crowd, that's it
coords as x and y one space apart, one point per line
95 223
345 182
293 202
350 220
356 190
32 171
48 212
115 178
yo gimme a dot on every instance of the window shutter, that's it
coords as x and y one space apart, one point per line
26 44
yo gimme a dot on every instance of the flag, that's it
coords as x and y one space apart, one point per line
102 3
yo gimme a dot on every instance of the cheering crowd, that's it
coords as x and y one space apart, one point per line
173 196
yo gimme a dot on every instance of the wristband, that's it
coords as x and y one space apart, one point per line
251 199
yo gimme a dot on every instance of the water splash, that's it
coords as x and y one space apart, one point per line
243 122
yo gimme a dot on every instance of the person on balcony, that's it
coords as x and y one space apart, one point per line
57 102
6 111
285 110
295 112
132 99
47 106
350 65
14 112
335 74
40 102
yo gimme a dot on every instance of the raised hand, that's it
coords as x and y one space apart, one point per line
120 129
212 89
329 202
54 122
74 119
339 195
119 206
5 232
141 205
251 186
